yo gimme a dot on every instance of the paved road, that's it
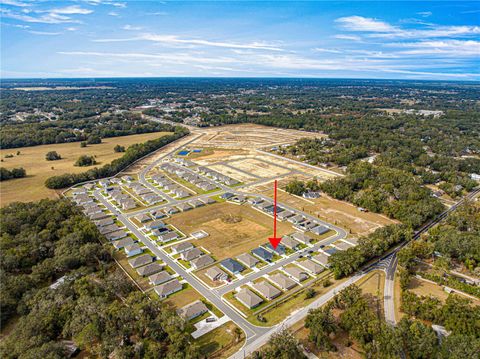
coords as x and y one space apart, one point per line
388 291
250 330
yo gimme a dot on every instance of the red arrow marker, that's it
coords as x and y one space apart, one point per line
275 241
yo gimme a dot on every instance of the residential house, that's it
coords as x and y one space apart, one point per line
282 281
149 269
170 210
192 310
191 254
196 203
181 247
202 261
140 260
168 236
330 250
321 258
184 207
319 230
248 260
289 242
109 229
263 254
248 298
133 250
122 243
255 201
207 200
296 273
301 237
104 222
142 218
216 274
284 215
99 215
297 219
164 290
311 266
311 194
158 214
227 195
280 250
156 224
113 236
267 290
159 278
231 265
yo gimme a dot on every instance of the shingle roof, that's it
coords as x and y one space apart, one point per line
248 298
140 260
247 259
267 290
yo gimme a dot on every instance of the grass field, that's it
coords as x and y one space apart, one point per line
228 240
38 169
221 342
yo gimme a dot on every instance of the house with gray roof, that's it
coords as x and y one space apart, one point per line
159 278
231 265
164 290
248 298
248 260
297 273
311 266
321 258
109 229
289 242
143 217
302 237
104 222
263 254
319 230
133 250
184 207
167 236
216 274
116 235
192 310
202 261
282 281
191 254
181 247
207 200
123 243
267 290
140 260
149 269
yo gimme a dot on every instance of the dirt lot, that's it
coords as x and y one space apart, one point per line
228 171
38 169
227 240
259 168
337 212
250 136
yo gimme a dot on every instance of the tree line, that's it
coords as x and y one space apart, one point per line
132 154
7 174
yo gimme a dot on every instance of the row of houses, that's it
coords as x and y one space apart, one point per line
189 253
169 186
146 194
125 201
217 176
188 176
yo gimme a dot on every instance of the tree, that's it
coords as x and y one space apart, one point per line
419 341
283 345
6 174
85 160
83 144
321 324
310 293
295 187
119 148
52 156
92 140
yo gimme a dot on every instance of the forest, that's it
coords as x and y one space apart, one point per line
91 303
90 129
410 338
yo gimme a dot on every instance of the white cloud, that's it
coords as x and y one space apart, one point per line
47 33
424 13
348 37
131 27
367 24
70 10
113 13
455 48
14 3
176 41
50 18
380 29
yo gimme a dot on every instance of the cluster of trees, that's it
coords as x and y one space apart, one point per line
132 154
281 345
456 238
95 306
344 263
410 338
385 190
298 187
88 129
85 161
119 148
52 156
6 174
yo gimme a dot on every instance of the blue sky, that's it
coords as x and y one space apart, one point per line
91 38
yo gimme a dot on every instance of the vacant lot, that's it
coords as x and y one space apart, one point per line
337 212
38 169
228 239
259 168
